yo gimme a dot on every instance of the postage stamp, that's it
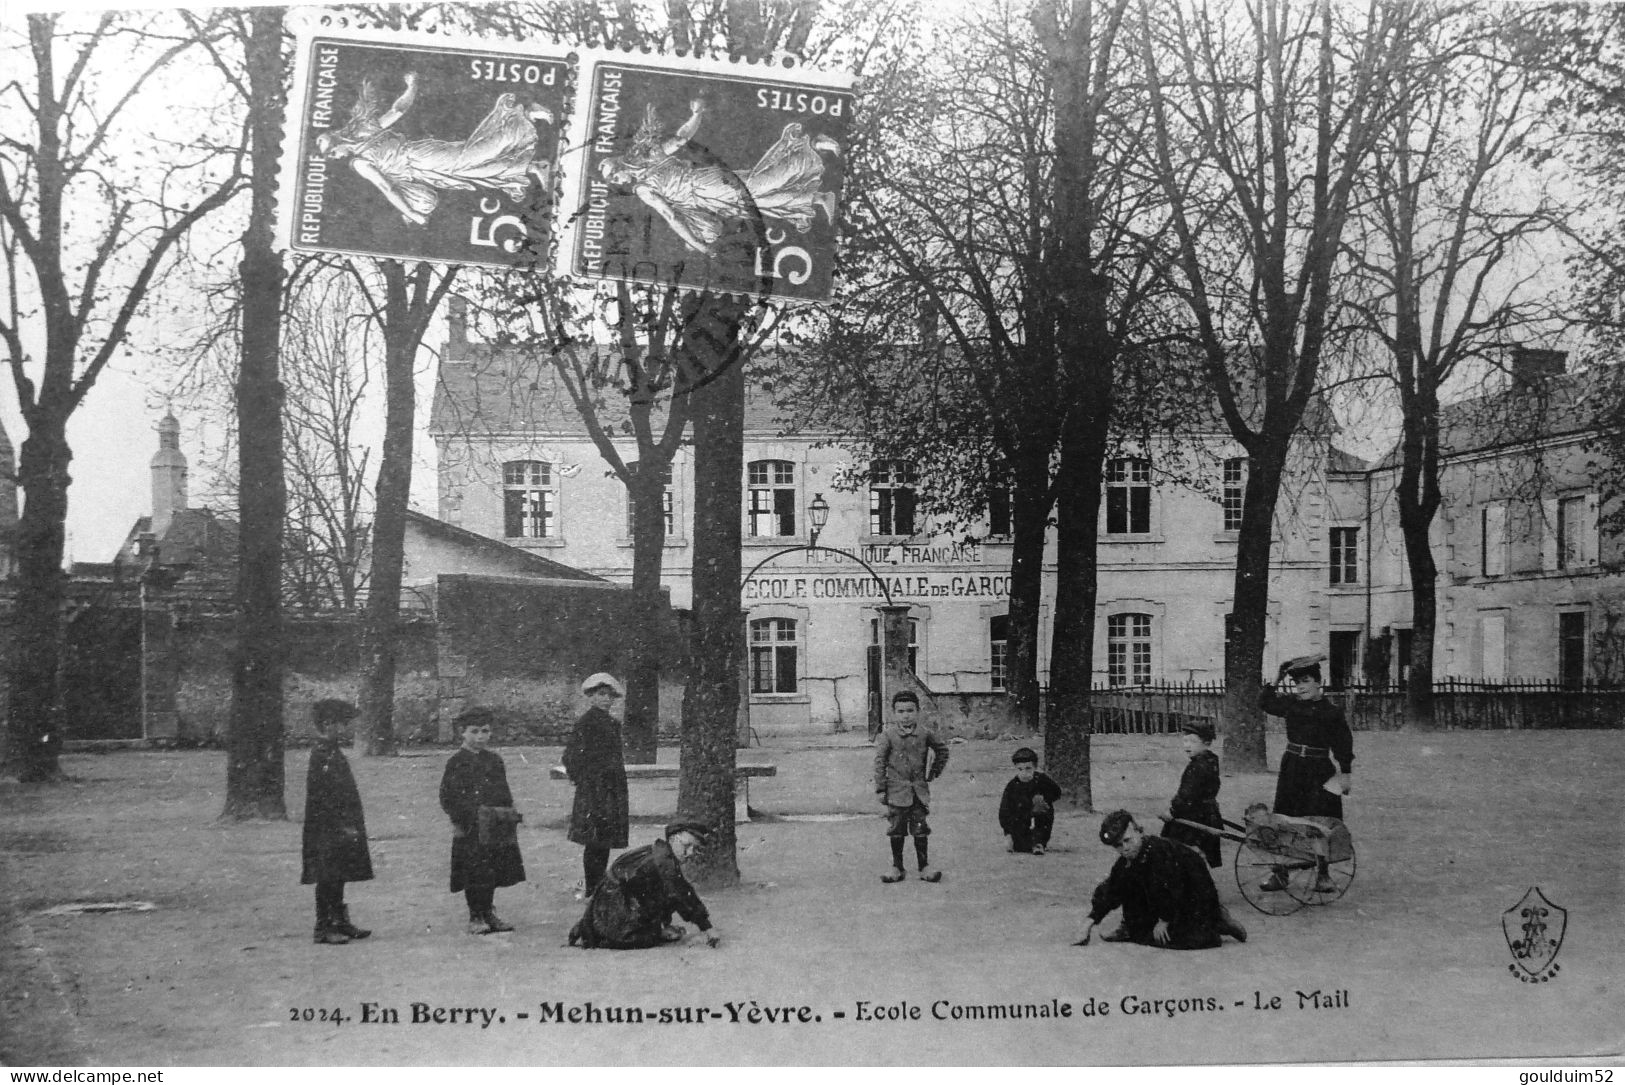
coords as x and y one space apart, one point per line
443 152
704 175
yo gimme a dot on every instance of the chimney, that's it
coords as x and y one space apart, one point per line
456 325
1532 365
168 476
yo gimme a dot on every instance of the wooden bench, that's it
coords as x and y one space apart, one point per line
742 775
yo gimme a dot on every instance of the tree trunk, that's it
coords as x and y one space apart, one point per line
254 766
1029 516
1245 628
642 722
403 318
1077 582
34 709
711 698
1416 522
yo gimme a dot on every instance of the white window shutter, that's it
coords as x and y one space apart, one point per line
1548 535
1590 537
1495 540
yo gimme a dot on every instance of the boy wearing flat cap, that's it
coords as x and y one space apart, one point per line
596 765
634 902
1317 734
1167 895
1198 796
334 845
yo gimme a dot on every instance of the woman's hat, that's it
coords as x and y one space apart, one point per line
1309 664
602 679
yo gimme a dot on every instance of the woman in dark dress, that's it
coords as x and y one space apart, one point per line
1198 796
484 845
1317 734
595 764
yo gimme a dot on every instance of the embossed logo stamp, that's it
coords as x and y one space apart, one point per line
1534 930
441 152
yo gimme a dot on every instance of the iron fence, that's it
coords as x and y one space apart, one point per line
1458 704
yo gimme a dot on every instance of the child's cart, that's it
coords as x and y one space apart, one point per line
1313 857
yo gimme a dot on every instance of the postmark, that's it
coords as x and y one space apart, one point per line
708 176
442 151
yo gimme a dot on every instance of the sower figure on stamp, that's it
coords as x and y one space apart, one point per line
1316 735
635 901
596 765
906 761
1198 796
484 844
334 844
1027 807
1166 893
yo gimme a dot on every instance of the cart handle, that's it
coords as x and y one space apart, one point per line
1206 828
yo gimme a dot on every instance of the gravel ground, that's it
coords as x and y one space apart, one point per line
1451 830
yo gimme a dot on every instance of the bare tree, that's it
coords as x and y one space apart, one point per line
1450 207
1265 116
88 234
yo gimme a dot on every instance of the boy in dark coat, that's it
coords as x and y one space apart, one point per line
1198 796
596 765
334 844
1317 734
1167 895
484 842
633 905
906 761
1027 808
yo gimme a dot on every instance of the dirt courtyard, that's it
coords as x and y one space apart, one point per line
1451 830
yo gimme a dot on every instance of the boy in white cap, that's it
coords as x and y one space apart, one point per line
594 761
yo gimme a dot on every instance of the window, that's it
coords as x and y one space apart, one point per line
1128 497
530 504
665 504
1344 661
1571 648
773 650
1574 533
1235 485
1492 629
1492 540
998 644
772 501
998 510
891 498
1345 555
1403 639
1128 649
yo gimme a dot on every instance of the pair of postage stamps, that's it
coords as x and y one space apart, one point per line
592 164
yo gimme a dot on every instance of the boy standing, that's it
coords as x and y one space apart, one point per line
907 759
334 844
484 845
1198 796
1027 810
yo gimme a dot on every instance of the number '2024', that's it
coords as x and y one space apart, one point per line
512 71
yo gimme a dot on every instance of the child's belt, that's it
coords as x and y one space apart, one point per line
1308 751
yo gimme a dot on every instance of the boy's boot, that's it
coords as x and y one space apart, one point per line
1323 878
477 924
326 934
495 925
896 874
1276 882
341 923
927 872
1228 925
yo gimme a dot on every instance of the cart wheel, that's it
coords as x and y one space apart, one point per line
1254 866
1304 883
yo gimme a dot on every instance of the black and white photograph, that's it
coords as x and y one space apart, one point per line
802 533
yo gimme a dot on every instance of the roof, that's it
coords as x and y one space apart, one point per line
1559 406
198 537
513 554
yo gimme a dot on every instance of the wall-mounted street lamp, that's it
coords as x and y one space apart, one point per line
817 517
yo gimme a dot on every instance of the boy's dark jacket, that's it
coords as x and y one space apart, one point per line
335 837
636 898
1198 800
473 780
1016 807
594 761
